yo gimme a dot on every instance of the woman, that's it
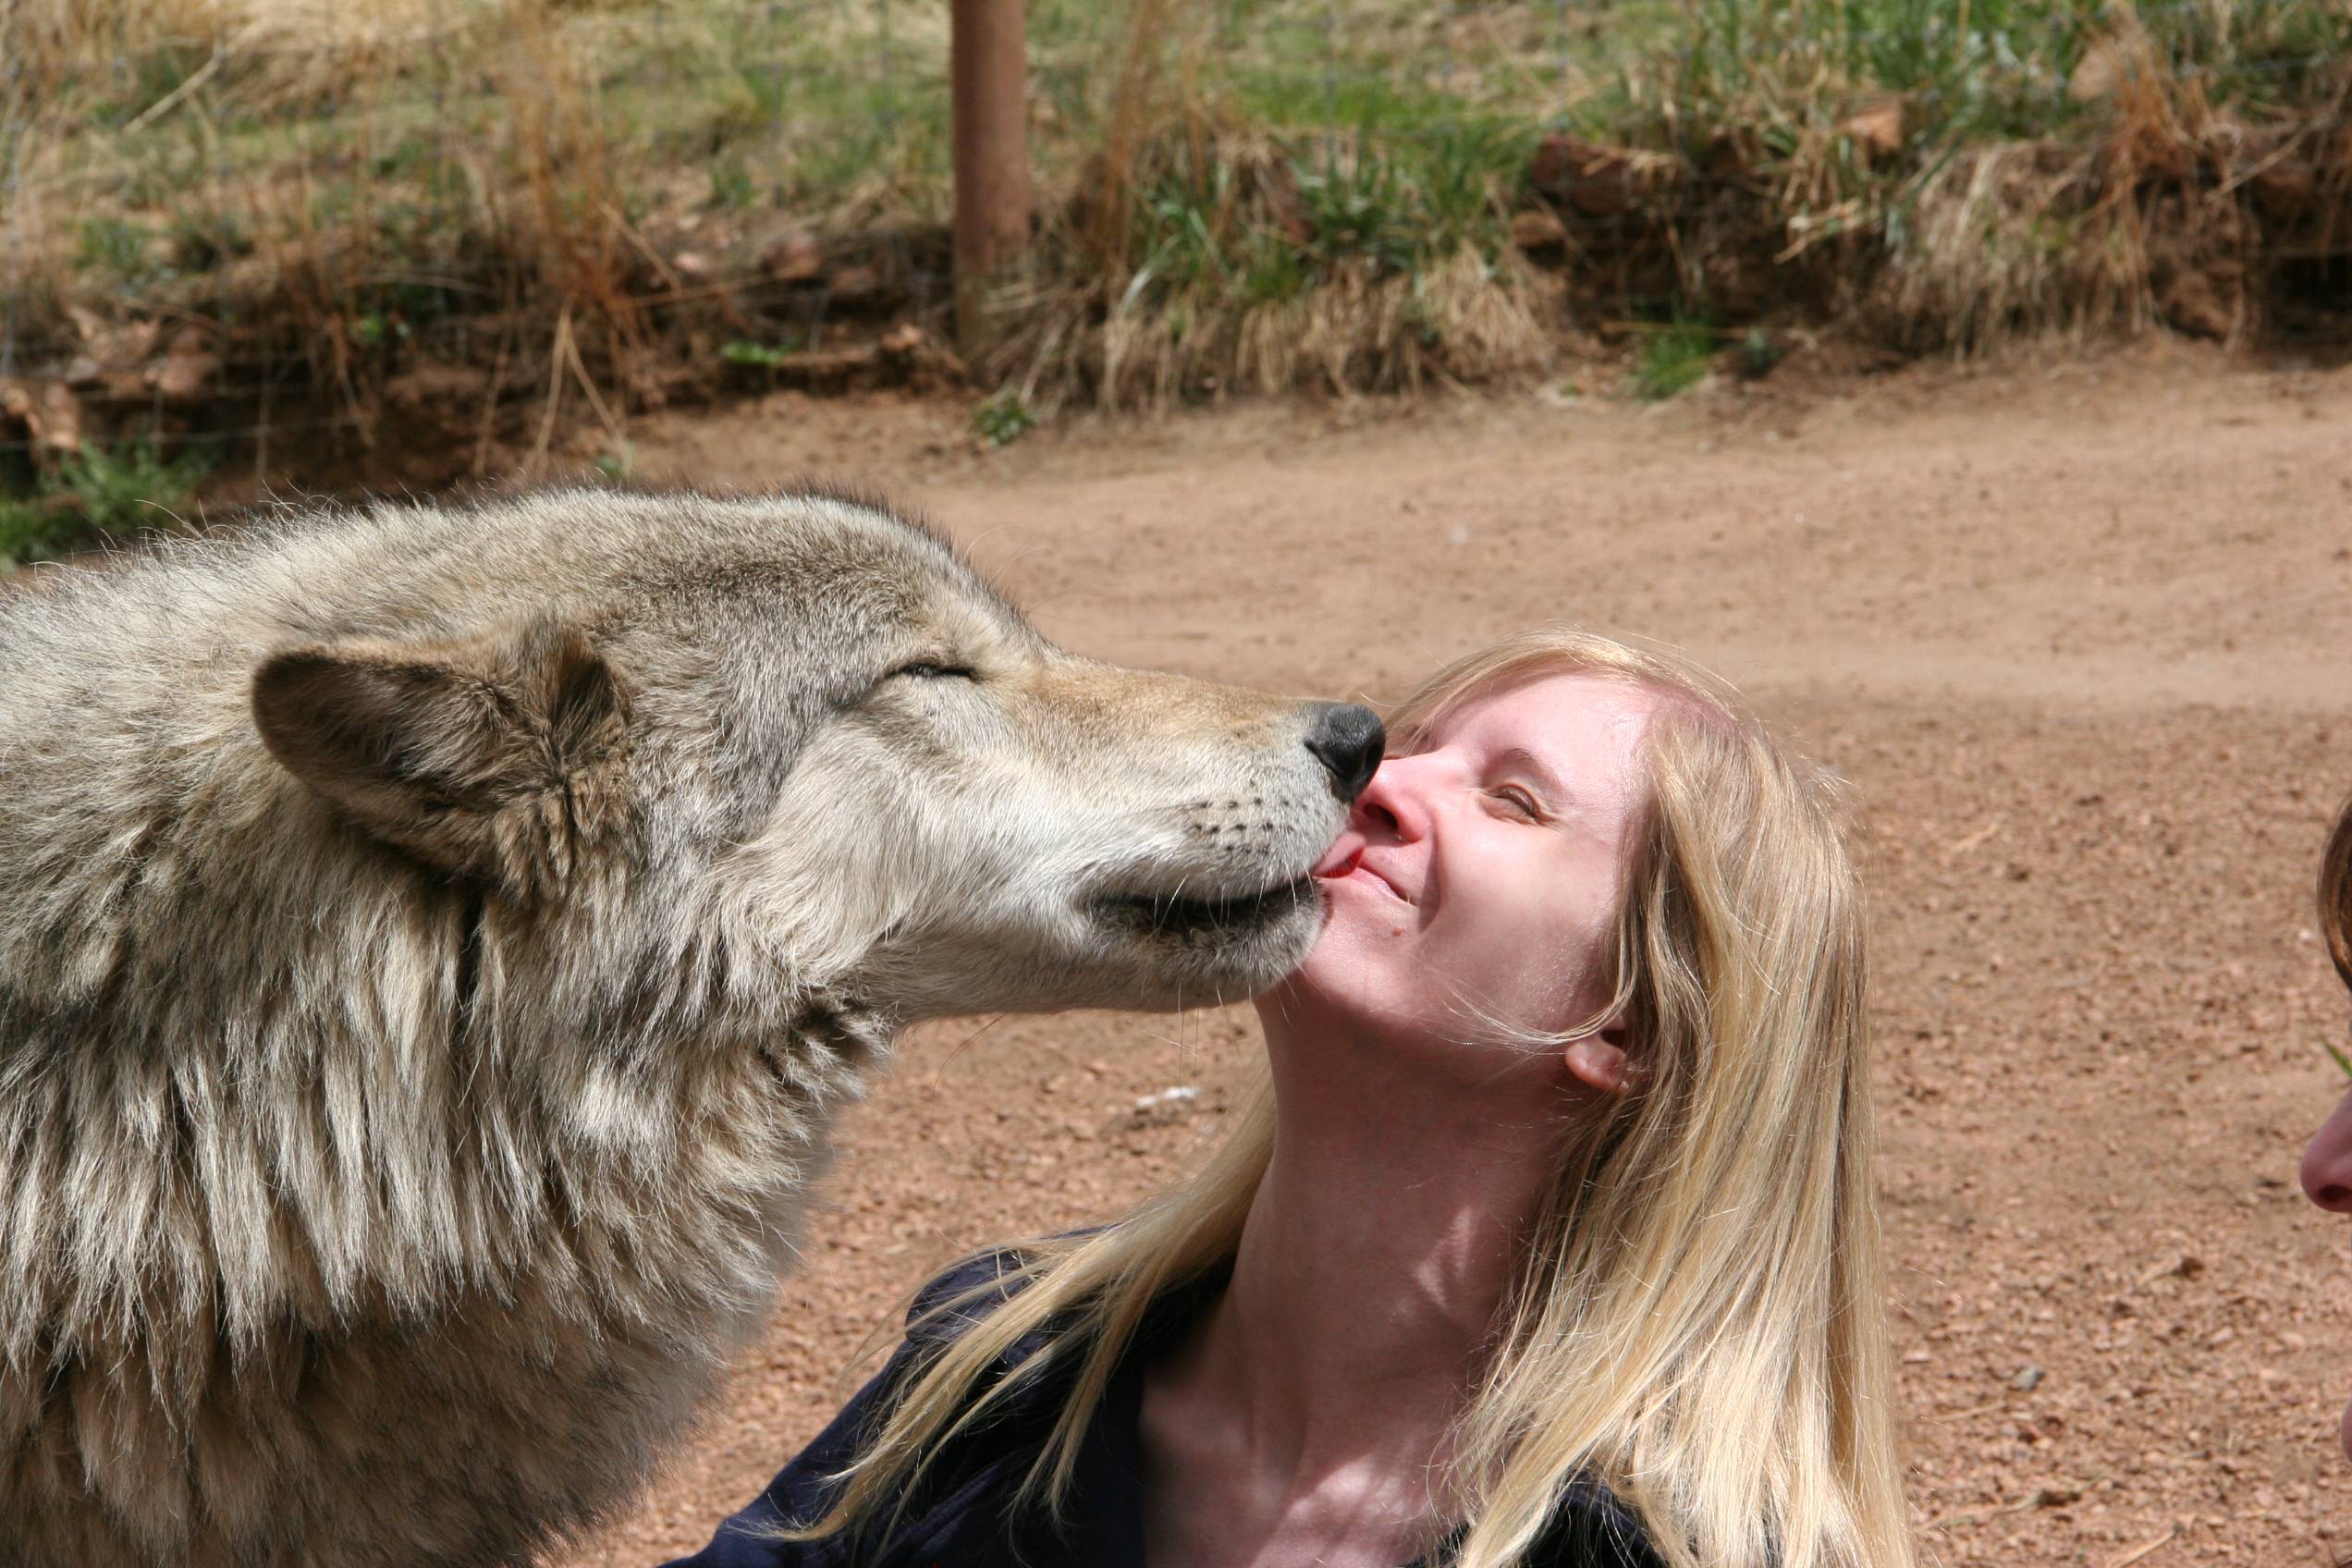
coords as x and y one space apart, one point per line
2327 1164
1551 1241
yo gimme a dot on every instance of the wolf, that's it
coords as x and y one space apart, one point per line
434 940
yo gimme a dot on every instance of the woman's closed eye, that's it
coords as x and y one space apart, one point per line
1520 800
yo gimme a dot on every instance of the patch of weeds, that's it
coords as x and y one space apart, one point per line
409 156
29 527
1758 353
1003 419
1674 359
884 141
114 247
748 355
1420 318
201 242
373 329
2335 1054
102 491
619 464
148 76
1274 270
1359 207
132 486
732 184
766 92
1180 232
419 299
1465 169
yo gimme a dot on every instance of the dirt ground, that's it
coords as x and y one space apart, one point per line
2078 633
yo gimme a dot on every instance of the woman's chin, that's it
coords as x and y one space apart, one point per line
1299 992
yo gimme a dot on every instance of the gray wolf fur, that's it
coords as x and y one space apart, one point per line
434 942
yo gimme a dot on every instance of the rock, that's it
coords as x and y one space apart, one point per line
1597 181
2028 1379
1536 231
185 369
792 258
2098 74
49 412
691 265
2191 303
904 338
1171 1104
107 348
1876 129
856 282
1728 154
2284 185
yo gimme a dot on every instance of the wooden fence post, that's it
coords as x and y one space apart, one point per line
988 71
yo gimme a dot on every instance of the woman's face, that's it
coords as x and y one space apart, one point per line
1477 879
2327 1180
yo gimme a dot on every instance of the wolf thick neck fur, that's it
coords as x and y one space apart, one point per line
193 1191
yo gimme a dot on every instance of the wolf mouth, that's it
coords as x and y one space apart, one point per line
1223 916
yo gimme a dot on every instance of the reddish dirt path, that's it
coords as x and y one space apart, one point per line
2078 633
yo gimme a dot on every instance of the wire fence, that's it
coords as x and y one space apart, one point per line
266 240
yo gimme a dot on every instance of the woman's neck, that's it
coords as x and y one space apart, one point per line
1377 1251
1374 1257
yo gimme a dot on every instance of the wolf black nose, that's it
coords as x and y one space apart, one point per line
1347 738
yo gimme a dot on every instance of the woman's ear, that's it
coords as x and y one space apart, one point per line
1598 1062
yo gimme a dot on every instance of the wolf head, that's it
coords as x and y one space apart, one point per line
434 943
808 720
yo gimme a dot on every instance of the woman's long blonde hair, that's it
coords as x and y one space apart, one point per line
1699 1322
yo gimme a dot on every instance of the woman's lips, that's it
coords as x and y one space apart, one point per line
1350 867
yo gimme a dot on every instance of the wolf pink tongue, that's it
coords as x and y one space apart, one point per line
1339 860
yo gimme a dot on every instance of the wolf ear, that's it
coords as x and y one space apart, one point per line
491 757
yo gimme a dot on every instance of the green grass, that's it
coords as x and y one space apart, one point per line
845 106
1967 71
748 355
1293 154
1674 359
114 252
99 493
1002 420
1313 208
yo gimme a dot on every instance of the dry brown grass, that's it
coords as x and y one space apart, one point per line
1191 259
2160 218
2005 242
273 52
569 199
224 164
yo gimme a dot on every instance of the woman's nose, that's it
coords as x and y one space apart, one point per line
2327 1164
1390 807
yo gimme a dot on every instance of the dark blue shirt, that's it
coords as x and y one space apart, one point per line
962 1513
